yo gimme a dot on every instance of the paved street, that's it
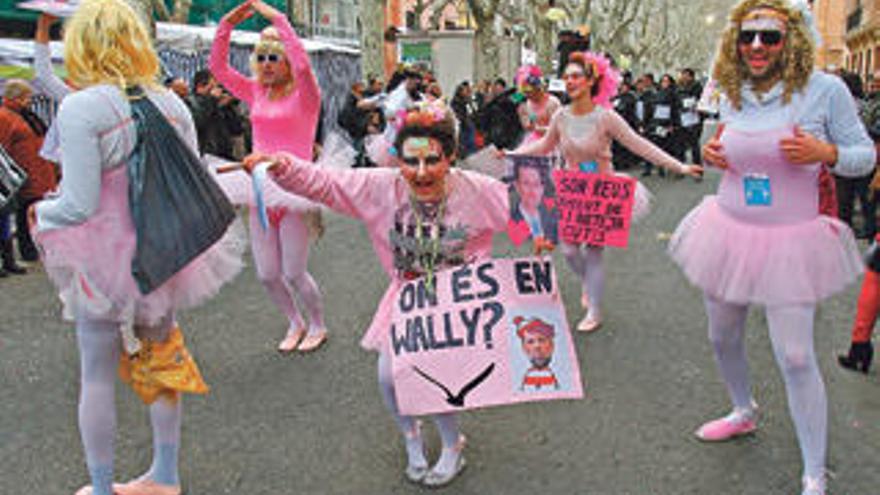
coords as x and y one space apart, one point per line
315 424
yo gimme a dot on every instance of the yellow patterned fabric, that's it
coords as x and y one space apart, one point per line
162 368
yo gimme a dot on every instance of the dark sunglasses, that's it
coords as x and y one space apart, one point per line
768 38
268 57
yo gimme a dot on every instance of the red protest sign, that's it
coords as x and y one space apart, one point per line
594 209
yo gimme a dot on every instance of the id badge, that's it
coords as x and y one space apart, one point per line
589 167
757 189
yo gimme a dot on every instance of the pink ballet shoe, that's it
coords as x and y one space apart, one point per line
145 487
814 486
589 324
87 490
313 341
291 340
436 479
725 428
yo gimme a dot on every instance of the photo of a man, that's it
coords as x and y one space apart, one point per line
537 340
533 214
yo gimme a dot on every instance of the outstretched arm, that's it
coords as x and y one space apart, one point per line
547 143
621 131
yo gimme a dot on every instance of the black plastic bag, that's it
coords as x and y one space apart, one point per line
12 178
178 209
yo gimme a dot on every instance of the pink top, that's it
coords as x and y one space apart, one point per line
756 162
286 124
535 116
475 209
587 138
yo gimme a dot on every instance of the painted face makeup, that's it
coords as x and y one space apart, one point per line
576 80
424 166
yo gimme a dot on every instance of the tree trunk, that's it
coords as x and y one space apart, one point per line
372 30
545 42
486 50
181 11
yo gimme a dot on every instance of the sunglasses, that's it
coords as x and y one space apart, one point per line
573 75
268 57
767 38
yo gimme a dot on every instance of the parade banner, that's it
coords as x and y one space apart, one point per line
532 198
594 208
486 334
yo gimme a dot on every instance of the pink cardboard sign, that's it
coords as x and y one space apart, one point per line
594 208
490 333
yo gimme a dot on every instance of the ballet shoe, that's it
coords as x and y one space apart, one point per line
87 490
589 324
291 341
731 426
312 341
813 486
436 479
145 487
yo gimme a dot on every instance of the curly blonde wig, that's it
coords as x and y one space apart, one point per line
731 72
105 42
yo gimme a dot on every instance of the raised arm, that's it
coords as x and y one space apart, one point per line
306 83
50 83
361 194
621 131
236 83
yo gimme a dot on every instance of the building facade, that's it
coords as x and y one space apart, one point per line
863 40
830 18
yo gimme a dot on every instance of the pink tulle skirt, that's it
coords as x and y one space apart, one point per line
769 264
239 189
378 148
90 264
641 201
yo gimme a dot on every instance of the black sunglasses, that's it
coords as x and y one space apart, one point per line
768 38
268 57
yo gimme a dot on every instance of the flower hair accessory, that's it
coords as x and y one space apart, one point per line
422 114
529 78
606 76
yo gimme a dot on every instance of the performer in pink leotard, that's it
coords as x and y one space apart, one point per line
582 131
762 240
285 102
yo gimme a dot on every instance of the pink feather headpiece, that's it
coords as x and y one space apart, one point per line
529 75
606 76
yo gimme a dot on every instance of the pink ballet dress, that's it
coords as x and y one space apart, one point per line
761 239
90 264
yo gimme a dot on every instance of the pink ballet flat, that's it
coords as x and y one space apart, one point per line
589 324
313 341
291 340
725 428
145 487
87 490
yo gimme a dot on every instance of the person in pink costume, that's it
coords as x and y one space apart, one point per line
582 132
539 106
421 216
285 102
761 239
88 240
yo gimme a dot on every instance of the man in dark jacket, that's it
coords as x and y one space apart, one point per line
689 92
625 104
499 123
214 115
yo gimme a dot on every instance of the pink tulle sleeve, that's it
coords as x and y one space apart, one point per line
362 194
238 85
300 64
621 131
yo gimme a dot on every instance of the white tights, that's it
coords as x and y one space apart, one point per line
791 333
281 256
586 262
100 346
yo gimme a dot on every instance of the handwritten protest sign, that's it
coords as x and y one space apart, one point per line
490 333
594 209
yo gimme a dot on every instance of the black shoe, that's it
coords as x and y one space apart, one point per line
8 257
859 357
646 173
3 273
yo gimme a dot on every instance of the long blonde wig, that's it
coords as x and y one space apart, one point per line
105 42
270 43
731 72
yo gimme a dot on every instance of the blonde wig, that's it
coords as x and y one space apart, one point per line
797 56
270 43
105 42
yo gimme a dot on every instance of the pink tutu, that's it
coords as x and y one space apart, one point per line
742 262
641 201
90 264
378 148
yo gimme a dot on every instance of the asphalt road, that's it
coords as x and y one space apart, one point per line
315 424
